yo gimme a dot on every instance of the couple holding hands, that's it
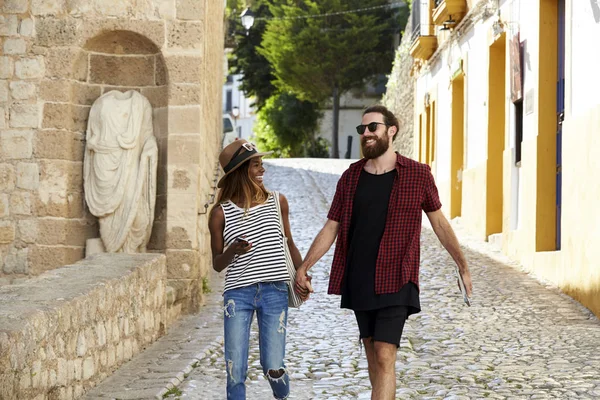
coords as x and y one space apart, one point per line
375 216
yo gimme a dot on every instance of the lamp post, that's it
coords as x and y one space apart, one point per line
235 113
247 17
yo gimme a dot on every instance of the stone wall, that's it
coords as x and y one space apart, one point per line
57 58
67 329
400 94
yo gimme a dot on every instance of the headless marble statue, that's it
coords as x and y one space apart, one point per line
120 170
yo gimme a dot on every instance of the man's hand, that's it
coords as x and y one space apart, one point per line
466 277
302 285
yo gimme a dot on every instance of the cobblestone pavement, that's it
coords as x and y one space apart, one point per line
521 339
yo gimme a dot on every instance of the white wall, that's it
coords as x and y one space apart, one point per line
585 57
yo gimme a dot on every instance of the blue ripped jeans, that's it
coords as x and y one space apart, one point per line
270 302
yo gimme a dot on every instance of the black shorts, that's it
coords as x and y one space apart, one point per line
383 325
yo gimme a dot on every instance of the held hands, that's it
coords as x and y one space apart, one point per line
302 285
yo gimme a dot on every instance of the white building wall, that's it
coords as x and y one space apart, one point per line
584 62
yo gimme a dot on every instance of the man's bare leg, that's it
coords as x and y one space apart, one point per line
384 382
370 351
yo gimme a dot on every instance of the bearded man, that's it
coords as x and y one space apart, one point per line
376 216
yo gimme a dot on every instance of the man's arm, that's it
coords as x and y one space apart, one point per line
318 248
446 235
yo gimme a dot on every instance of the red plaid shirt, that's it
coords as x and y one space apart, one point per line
399 251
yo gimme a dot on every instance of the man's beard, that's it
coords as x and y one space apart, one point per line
381 145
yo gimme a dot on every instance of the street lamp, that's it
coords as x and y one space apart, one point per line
235 113
247 17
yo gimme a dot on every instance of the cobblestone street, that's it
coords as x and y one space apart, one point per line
519 340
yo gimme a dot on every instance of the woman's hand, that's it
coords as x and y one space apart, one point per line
240 246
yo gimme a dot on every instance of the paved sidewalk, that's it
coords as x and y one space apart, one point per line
519 340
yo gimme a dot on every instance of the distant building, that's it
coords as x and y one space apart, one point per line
238 108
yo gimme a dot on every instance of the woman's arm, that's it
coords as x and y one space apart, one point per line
216 225
285 212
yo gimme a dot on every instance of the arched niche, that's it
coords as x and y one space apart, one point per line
125 60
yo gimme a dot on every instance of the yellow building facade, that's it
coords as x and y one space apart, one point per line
506 115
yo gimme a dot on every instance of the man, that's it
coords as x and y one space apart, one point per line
376 217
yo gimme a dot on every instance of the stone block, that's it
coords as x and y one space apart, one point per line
183 119
185 35
60 145
185 69
182 94
60 62
47 7
60 176
3 91
69 232
7 232
30 68
160 71
84 94
57 116
15 6
2 118
4 207
182 264
15 46
126 71
16 144
9 25
157 95
22 90
183 178
7 67
55 90
160 122
24 115
20 203
7 177
45 258
147 30
190 9
56 32
80 116
27 230
59 204
28 176
88 368
27 27
15 261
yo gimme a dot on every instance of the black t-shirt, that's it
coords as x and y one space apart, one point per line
369 212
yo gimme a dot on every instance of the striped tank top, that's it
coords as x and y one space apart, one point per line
265 262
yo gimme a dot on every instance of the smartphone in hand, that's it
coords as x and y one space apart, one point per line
461 284
242 241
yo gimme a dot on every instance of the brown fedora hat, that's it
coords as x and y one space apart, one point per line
235 154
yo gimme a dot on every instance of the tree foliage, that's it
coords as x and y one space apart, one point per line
320 57
286 125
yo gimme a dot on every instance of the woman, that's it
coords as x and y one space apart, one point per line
246 239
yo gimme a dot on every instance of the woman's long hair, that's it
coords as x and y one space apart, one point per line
239 188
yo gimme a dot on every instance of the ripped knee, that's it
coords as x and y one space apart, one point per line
275 374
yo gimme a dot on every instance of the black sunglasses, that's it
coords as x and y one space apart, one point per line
372 127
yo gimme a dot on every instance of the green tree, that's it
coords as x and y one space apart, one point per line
287 125
320 58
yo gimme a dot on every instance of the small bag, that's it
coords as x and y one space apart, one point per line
294 299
